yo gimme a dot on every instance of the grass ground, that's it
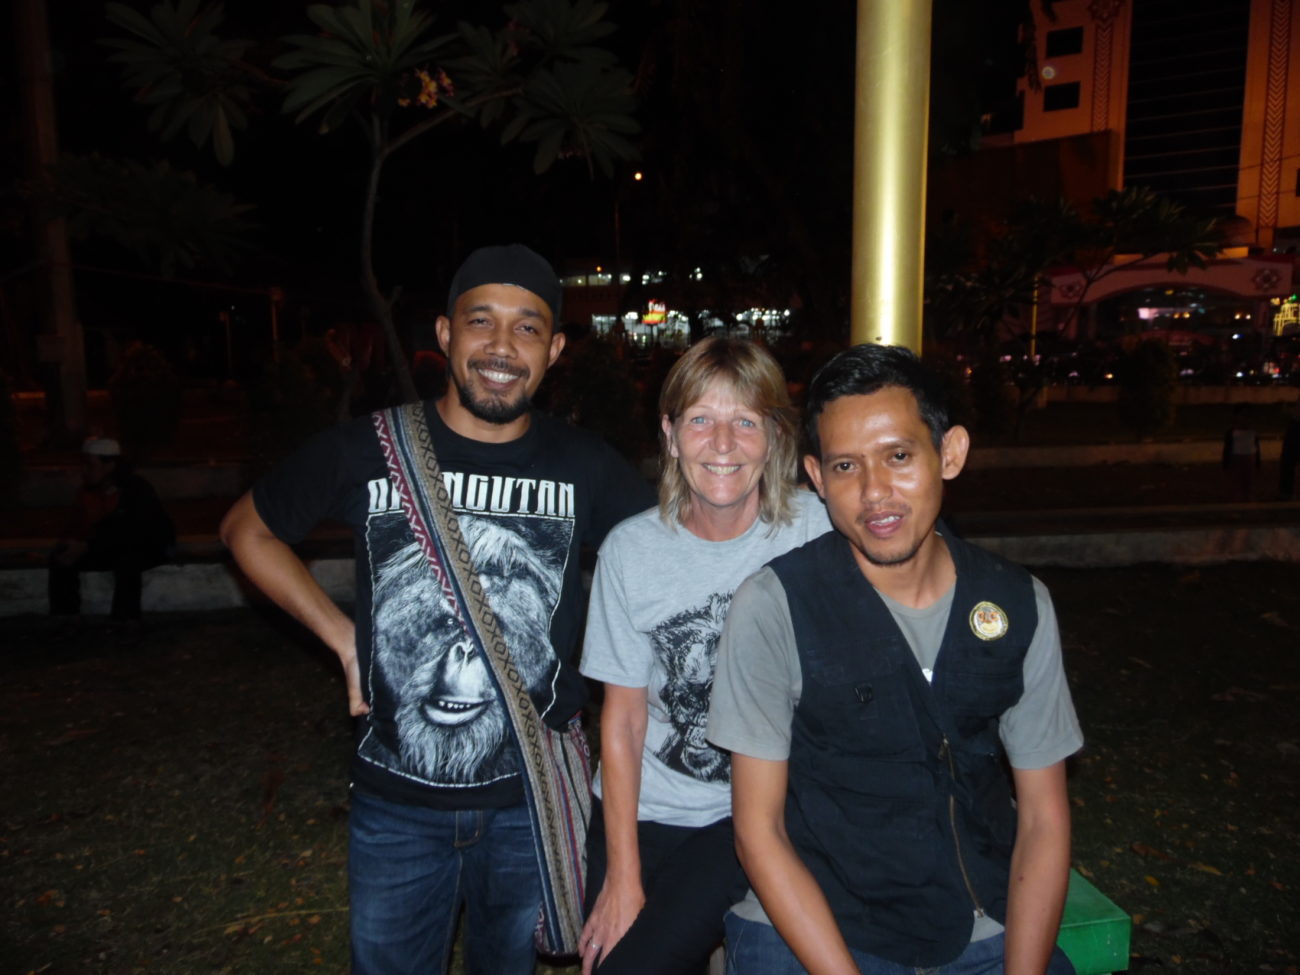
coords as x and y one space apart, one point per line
178 805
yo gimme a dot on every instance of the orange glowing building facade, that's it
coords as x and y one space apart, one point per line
1197 100
1201 98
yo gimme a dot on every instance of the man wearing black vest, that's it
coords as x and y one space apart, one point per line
869 686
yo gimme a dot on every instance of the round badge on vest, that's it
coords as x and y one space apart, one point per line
988 621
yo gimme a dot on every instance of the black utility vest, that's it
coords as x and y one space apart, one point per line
898 800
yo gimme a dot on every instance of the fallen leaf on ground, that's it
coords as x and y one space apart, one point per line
1143 850
73 734
1232 693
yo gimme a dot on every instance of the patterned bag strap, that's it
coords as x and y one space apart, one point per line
407 445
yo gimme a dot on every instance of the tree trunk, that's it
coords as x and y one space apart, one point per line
60 345
381 306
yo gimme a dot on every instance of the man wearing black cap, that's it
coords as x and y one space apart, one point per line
438 819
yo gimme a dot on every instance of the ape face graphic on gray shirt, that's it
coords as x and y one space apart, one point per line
686 646
658 603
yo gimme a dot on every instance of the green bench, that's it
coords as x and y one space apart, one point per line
1094 932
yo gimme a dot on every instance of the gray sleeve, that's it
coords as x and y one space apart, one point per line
758 681
1041 728
613 650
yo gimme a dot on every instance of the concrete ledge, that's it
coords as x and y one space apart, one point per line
1090 455
167 588
1195 546
55 486
51 486
1183 395
218 585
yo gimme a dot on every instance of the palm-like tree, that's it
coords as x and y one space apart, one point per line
540 79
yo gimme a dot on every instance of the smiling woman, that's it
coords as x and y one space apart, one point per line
662 868
720 444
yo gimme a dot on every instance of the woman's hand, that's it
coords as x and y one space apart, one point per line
616 908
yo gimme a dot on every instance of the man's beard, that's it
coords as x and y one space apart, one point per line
491 409
888 560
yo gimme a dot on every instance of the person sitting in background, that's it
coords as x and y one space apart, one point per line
118 526
661 859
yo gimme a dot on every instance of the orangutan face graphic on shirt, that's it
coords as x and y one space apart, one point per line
450 726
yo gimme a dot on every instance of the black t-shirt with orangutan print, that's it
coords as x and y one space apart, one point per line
436 733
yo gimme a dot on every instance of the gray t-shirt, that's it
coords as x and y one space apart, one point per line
658 603
758 683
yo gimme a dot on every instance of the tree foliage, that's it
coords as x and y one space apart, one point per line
179 66
1148 380
541 75
972 283
360 61
168 219
540 78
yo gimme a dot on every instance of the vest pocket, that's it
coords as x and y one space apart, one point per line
984 685
864 714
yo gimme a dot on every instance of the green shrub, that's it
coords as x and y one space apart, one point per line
951 373
11 458
592 386
146 397
1148 380
990 396
289 403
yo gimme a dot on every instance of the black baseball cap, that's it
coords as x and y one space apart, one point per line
507 264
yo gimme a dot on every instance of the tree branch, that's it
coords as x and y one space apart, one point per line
417 130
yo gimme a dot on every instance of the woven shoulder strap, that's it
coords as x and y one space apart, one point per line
548 776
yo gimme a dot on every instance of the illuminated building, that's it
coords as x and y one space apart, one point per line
1197 100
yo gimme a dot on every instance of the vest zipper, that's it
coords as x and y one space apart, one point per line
945 753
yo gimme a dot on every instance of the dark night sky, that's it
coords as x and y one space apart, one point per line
713 165
307 188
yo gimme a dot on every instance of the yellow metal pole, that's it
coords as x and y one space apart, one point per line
889 154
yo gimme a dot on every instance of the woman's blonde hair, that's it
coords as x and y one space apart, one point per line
757 381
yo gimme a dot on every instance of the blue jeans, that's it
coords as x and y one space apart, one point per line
411 868
755 948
